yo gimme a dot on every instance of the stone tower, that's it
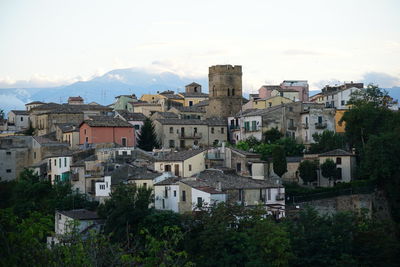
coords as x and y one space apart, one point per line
225 91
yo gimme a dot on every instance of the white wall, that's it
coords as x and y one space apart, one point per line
171 202
58 169
103 189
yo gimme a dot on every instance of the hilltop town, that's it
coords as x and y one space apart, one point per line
278 152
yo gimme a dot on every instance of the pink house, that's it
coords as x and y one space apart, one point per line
101 129
300 86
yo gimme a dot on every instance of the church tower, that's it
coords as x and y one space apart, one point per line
225 91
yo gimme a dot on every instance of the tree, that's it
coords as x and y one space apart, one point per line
279 160
329 170
272 135
308 171
147 137
291 147
371 95
327 141
125 210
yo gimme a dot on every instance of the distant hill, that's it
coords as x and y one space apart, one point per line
101 89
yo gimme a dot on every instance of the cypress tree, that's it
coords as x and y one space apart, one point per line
147 137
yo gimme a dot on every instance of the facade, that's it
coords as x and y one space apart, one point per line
106 130
181 164
14 156
75 100
225 87
18 120
300 86
187 133
146 109
68 133
166 194
272 101
345 163
337 96
136 119
295 90
188 112
58 167
33 104
124 102
193 95
316 120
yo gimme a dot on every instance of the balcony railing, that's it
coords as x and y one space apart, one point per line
190 136
252 129
280 197
320 125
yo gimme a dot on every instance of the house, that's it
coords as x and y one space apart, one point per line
186 133
212 186
33 104
58 167
345 163
166 194
272 101
14 156
182 164
188 112
296 90
18 120
68 133
193 95
136 119
85 173
241 161
75 100
337 96
78 221
43 147
124 102
316 120
146 109
105 129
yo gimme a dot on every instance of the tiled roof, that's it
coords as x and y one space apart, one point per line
130 172
169 181
210 122
172 96
202 95
336 152
181 155
272 87
20 112
68 127
106 121
193 84
246 153
131 116
81 214
75 98
43 140
190 109
202 103
67 108
168 115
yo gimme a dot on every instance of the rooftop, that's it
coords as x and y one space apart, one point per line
106 121
131 116
81 214
193 109
211 122
336 152
20 112
181 155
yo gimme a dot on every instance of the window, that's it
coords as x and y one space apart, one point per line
84 131
343 102
339 173
339 161
8 153
190 103
238 167
102 187
291 109
145 185
190 167
246 125
59 162
87 139
196 142
222 130
34 155
171 143
55 162
167 168
291 123
174 193
183 195
65 162
22 118
171 129
195 130
269 104
163 203
8 170
241 198
124 141
165 191
268 194
199 202
253 125
319 119
137 127
233 92
229 92
182 143
212 130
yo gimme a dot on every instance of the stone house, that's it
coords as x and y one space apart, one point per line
216 185
193 95
166 194
14 156
181 164
185 133
68 133
146 109
190 112
272 101
136 119
18 120
33 104
241 161
315 120
104 129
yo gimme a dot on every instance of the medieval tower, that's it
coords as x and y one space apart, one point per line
225 91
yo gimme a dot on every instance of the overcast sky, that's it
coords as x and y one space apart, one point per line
51 42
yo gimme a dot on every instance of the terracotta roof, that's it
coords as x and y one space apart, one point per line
190 109
181 155
336 152
106 121
246 153
81 214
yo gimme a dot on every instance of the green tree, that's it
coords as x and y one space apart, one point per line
372 94
329 170
147 137
327 141
308 171
125 210
279 160
291 147
272 135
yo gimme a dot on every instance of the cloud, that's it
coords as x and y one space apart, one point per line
382 79
116 77
300 52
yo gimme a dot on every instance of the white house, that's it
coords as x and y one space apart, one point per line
182 164
316 120
58 167
345 163
166 194
18 120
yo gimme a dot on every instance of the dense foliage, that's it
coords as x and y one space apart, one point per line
147 137
327 141
308 171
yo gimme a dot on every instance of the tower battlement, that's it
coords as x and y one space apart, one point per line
217 69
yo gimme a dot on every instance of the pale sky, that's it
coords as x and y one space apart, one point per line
54 42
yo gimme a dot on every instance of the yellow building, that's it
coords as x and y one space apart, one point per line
340 127
270 102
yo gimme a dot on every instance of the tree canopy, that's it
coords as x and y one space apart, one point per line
147 137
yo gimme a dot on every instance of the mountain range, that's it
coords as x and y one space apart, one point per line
103 89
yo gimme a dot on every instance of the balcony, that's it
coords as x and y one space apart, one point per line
305 125
320 125
190 136
280 197
292 128
252 129
234 127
